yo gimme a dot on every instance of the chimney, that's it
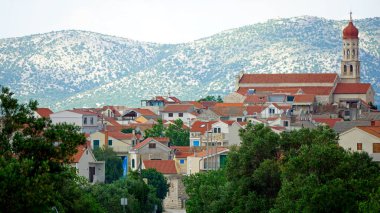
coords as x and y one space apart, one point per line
106 138
375 123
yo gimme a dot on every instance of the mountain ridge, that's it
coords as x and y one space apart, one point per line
65 69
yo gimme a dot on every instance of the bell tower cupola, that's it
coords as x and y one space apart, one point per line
350 65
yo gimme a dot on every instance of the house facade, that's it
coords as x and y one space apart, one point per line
87 120
362 139
87 166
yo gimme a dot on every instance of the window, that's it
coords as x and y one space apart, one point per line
109 142
345 69
353 53
271 111
180 114
91 120
239 119
170 114
348 54
195 143
376 148
359 146
351 69
95 144
133 163
217 130
152 145
133 143
182 161
286 123
84 120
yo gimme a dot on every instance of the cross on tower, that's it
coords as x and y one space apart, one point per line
350 15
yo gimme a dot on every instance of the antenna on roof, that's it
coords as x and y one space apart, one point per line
169 93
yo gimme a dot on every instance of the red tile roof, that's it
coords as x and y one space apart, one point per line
328 121
255 108
228 104
373 130
80 150
208 104
119 135
182 151
112 121
113 109
196 104
289 78
83 111
44 112
283 107
304 98
145 112
229 110
256 99
162 139
178 108
163 166
352 88
306 90
201 126
211 151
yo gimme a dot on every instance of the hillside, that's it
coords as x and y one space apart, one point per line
68 69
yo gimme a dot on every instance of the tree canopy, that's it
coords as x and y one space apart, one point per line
114 164
297 171
212 98
178 135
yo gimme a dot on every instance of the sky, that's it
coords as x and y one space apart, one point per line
164 21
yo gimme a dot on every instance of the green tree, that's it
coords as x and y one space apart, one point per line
326 178
141 197
207 192
34 158
127 130
114 164
178 135
158 130
157 180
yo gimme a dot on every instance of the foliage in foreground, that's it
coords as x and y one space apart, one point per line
114 164
35 175
298 171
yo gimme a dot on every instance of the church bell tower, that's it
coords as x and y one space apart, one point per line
350 65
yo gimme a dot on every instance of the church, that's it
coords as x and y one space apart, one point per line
305 90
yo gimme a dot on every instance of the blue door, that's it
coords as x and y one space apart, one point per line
195 143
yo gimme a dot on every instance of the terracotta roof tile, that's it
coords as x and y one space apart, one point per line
163 166
228 104
304 98
119 135
328 121
113 109
44 112
162 139
80 150
373 130
201 126
211 151
145 112
306 90
256 99
289 78
251 110
352 88
178 108
83 111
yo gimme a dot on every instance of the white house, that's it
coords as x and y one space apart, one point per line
87 166
149 149
87 120
274 109
185 112
362 139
